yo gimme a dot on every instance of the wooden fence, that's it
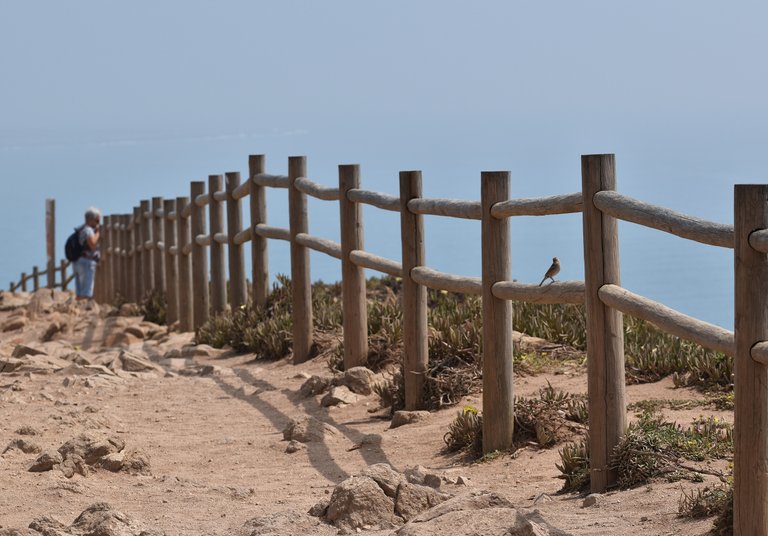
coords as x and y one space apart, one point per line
176 244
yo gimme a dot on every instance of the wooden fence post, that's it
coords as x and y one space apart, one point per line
147 252
138 257
64 274
200 293
415 330
301 283
498 375
50 241
35 278
116 258
122 269
23 281
354 306
171 267
605 326
259 257
238 292
218 261
750 459
184 260
107 264
158 257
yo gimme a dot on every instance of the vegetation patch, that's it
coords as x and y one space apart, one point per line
710 501
153 306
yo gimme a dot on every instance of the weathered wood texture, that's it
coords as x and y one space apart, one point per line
605 326
498 376
273 181
35 278
238 287
64 279
667 319
50 241
323 245
184 262
147 268
365 259
414 296
750 460
171 266
441 281
275 233
218 264
318 191
259 257
558 292
301 283
353 294
538 206
243 236
628 209
759 240
200 293
137 292
106 265
376 199
158 232
454 208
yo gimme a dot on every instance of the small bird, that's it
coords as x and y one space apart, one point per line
552 272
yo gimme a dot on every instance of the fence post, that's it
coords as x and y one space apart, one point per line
415 331
184 261
35 278
120 243
107 265
218 261
301 283
171 267
148 252
238 293
354 306
259 257
158 260
116 258
750 450
64 274
50 242
23 281
200 293
138 257
498 374
605 326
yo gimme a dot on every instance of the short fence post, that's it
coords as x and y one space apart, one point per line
498 374
605 326
118 232
126 246
415 331
238 293
158 226
301 283
218 261
750 471
200 293
50 242
35 278
107 263
259 257
23 281
148 252
138 257
184 260
354 306
171 268
63 271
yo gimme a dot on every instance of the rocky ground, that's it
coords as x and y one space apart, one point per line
113 426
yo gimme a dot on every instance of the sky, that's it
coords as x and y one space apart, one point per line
105 103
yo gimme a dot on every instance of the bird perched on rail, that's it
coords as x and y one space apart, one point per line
552 272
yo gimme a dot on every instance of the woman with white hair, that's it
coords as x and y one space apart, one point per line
85 266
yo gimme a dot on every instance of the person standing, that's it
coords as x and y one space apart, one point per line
85 265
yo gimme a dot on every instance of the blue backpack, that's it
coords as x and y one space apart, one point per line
73 249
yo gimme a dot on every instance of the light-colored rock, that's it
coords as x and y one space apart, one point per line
90 447
9 364
307 429
286 524
40 302
129 309
387 478
136 331
294 446
134 363
198 350
111 462
339 395
359 380
98 519
413 499
14 324
359 501
592 499
136 462
402 417
46 461
120 340
24 445
315 385
22 350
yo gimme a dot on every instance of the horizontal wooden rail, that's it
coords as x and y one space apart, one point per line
374 262
376 199
329 247
149 245
202 200
243 236
220 195
221 238
316 190
241 191
667 319
538 206
187 249
186 212
203 240
629 209
558 292
454 208
171 216
273 181
759 352
759 240
442 281
276 233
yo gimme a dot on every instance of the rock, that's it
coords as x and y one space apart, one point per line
421 475
198 350
462 481
22 351
56 325
359 501
339 395
111 462
359 380
286 524
401 418
27 430
541 499
12 302
98 519
294 446
413 499
387 478
307 429
129 309
13 532
591 500
136 331
90 447
134 363
433 481
24 445
120 340
9 364
13 324
319 509
136 462
45 462
74 464
315 385
173 353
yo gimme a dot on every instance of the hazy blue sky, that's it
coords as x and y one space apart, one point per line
105 102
